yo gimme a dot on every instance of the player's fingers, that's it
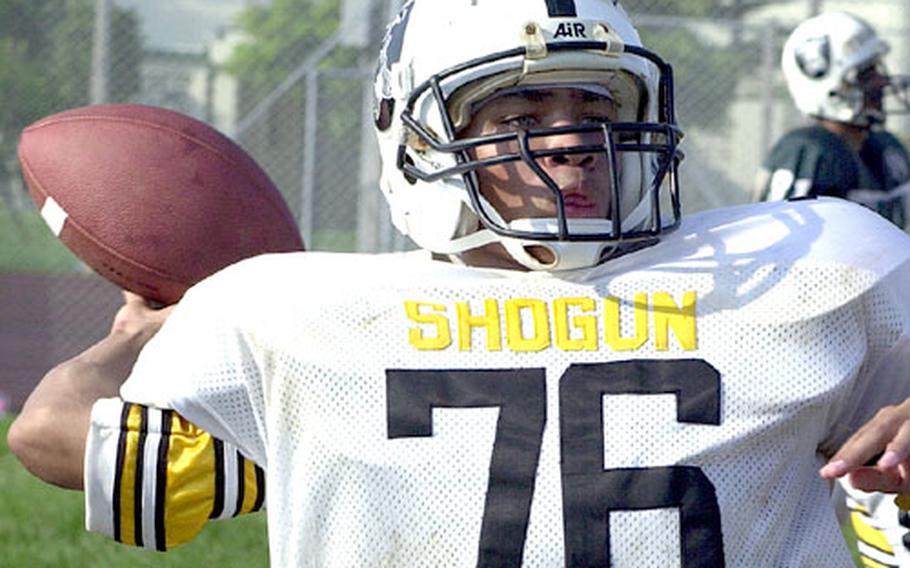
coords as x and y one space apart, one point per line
873 479
888 433
897 451
164 312
132 297
140 314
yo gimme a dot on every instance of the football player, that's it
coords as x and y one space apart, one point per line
834 67
566 374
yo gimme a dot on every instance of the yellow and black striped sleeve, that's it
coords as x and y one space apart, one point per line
153 479
872 542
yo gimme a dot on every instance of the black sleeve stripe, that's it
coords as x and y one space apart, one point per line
241 483
218 504
161 480
875 557
121 456
140 465
260 489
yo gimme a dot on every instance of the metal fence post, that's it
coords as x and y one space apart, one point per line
769 71
815 7
369 206
98 86
310 143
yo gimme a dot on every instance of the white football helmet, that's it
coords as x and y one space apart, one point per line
439 60
823 62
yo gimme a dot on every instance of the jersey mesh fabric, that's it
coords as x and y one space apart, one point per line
295 375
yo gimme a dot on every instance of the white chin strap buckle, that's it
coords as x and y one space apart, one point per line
563 255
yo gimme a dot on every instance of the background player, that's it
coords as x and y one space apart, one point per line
619 386
834 67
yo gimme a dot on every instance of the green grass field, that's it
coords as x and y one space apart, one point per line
42 527
27 245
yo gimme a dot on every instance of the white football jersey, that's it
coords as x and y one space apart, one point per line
670 407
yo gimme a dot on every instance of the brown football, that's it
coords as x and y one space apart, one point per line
151 199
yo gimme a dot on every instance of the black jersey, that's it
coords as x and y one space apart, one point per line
813 161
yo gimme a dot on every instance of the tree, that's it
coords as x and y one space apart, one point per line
72 67
678 37
733 9
705 75
45 64
279 39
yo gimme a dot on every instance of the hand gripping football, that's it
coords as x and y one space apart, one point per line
151 199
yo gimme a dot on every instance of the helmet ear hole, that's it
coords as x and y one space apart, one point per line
383 114
541 253
408 177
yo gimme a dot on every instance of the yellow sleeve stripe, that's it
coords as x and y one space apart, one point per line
259 502
868 534
172 477
127 517
190 470
251 496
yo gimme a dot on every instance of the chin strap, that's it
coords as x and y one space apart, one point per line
567 255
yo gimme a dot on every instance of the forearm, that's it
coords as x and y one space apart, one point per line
49 434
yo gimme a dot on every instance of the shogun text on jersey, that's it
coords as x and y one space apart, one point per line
567 324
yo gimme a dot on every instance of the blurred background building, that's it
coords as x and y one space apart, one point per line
290 80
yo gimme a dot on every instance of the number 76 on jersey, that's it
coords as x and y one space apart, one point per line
589 491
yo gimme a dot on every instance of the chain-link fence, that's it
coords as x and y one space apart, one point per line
290 81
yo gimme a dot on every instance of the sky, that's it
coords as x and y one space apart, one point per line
182 24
